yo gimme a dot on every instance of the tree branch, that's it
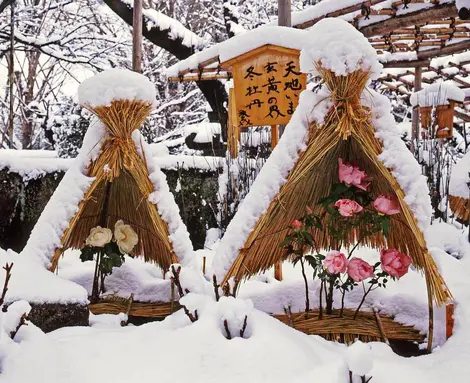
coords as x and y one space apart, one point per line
213 90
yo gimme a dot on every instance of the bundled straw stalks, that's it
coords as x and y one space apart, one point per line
368 327
460 206
121 188
348 134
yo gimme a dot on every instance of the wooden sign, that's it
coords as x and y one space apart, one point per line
267 83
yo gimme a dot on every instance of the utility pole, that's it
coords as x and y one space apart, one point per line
284 20
137 37
11 72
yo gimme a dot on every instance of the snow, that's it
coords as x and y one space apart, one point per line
271 177
165 201
399 159
33 283
460 178
270 351
115 84
143 280
462 3
339 47
30 166
176 30
242 43
438 93
47 233
386 57
205 131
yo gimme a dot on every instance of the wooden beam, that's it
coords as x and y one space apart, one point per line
441 11
407 64
339 12
444 51
462 116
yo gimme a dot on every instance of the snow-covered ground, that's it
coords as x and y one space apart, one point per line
178 350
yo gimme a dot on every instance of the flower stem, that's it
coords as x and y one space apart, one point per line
320 314
329 297
307 301
95 290
342 303
363 299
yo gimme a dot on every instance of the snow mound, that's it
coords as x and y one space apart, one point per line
115 84
458 186
339 47
438 93
448 238
31 282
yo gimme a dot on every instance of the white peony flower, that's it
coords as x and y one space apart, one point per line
126 238
99 237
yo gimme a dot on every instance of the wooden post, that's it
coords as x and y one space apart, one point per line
284 13
284 20
449 320
415 120
274 136
137 37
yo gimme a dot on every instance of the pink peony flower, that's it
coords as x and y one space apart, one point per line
394 263
347 207
358 270
296 224
352 175
335 262
387 204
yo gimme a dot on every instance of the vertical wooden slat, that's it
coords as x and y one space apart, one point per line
415 120
274 136
233 129
449 319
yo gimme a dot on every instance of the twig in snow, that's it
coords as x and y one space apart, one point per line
245 322
20 324
7 269
227 330
216 288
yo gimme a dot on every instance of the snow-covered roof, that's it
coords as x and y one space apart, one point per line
238 45
438 93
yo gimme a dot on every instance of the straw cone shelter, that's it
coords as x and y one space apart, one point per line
114 178
347 133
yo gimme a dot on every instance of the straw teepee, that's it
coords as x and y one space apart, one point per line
114 178
342 121
459 189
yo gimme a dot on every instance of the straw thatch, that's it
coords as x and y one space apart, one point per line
460 206
121 188
347 133
137 309
368 326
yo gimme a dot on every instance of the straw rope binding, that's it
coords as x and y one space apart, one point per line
346 329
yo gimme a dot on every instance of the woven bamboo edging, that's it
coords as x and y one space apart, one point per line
367 326
138 309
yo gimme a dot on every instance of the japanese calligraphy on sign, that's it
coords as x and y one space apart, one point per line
267 86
